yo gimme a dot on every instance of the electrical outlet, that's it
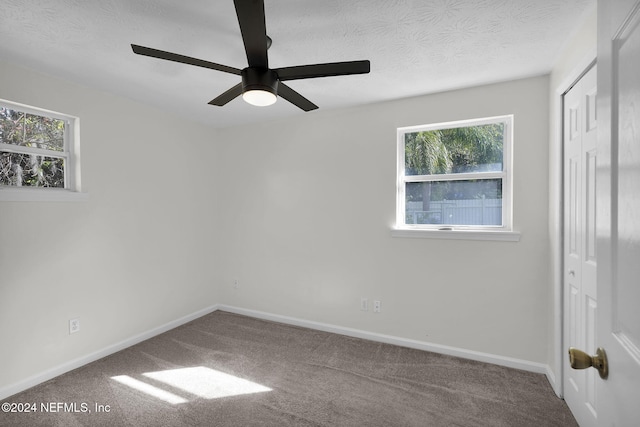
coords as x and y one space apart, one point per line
74 326
376 306
236 283
364 304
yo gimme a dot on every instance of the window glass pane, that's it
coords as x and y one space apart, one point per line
456 150
471 202
29 130
30 170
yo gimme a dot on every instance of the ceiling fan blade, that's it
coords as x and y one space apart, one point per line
254 31
161 54
227 96
295 98
323 70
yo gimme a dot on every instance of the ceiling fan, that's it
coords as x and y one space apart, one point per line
260 84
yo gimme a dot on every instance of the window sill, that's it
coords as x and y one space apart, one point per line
460 234
41 195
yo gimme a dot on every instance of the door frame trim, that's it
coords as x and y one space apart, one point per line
556 223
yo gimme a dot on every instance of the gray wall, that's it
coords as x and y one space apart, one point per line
309 209
137 254
299 211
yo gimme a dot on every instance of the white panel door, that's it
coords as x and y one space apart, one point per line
618 212
580 296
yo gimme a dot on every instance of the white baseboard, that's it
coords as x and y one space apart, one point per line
551 377
510 362
81 361
356 333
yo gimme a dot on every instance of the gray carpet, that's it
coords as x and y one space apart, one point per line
225 369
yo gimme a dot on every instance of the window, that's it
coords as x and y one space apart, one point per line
455 176
39 155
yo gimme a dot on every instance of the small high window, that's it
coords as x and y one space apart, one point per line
38 151
455 176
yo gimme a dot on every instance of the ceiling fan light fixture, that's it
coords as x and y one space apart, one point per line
259 86
259 97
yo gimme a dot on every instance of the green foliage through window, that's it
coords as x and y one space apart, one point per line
455 150
31 150
454 175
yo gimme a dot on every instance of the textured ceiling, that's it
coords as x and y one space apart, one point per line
415 47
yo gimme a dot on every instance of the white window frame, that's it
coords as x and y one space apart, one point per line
72 190
502 232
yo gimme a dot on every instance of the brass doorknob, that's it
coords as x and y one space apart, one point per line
578 359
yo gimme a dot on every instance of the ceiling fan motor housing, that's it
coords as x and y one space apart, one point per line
254 78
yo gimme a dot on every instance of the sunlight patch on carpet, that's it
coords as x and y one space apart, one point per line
200 381
149 389
206 382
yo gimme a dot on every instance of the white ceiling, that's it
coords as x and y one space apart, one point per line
415 47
